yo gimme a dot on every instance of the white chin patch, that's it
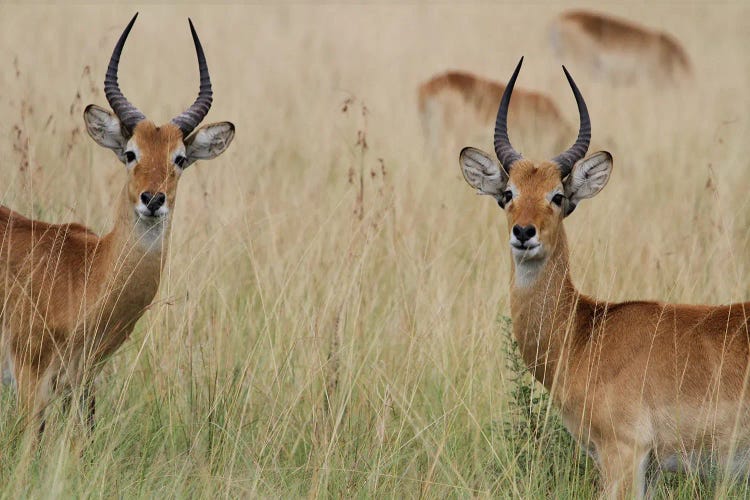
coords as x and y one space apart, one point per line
529 261
145 214
523 254
528 250
150 228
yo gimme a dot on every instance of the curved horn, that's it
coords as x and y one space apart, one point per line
503 149
578 150
128 114
190 119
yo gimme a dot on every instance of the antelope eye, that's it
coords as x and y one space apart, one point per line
558 199
507 196
129 156
180 161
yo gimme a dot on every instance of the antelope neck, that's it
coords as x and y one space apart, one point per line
130 272
543 308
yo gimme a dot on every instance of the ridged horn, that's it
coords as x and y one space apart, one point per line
578 150
503 149
190 119
128 114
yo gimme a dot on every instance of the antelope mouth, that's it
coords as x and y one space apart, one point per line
523 246
146 215
526 251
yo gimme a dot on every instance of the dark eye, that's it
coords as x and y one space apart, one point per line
129 156
507 196
558 199
180 161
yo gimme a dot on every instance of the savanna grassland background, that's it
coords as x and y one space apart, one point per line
331 322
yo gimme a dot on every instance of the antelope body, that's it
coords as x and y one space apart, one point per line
619 50
636 382
69 297
457 101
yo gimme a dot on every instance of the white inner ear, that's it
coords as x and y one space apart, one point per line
482 172
589 176
105 129
208 142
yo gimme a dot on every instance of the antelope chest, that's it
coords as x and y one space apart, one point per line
117 322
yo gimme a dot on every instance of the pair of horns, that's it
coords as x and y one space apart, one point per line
129 115
504 150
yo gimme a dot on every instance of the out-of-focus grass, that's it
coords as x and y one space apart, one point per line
328 321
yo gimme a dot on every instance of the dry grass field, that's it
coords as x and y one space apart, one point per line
331 322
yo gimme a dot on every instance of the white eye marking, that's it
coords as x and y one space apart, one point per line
179 157
556 197
506 196
132 153
515 193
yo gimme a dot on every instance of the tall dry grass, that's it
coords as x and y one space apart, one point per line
331 318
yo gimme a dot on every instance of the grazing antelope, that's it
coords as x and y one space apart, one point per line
457 101
618 50
69 297
635 382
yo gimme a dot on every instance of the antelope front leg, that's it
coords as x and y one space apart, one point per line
87 408
34 391
623 469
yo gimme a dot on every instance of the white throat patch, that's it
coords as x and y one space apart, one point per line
527 270
149 233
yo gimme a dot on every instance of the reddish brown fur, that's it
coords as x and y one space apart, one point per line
71 298
455 93
629 378
619 49
484 96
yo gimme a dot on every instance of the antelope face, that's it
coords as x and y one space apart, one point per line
533 201
536 196
155 157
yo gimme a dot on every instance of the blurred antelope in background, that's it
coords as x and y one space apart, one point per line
636 382
69 297
618 50
455 104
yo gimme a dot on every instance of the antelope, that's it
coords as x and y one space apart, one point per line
619 50
457 100
636 382
70 298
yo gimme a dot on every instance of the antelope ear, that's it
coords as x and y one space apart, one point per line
105 129
588 177
482 172
208 142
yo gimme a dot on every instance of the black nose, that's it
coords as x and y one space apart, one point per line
525 233
153 201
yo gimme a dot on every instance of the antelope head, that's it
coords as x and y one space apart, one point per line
536 196
155 156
